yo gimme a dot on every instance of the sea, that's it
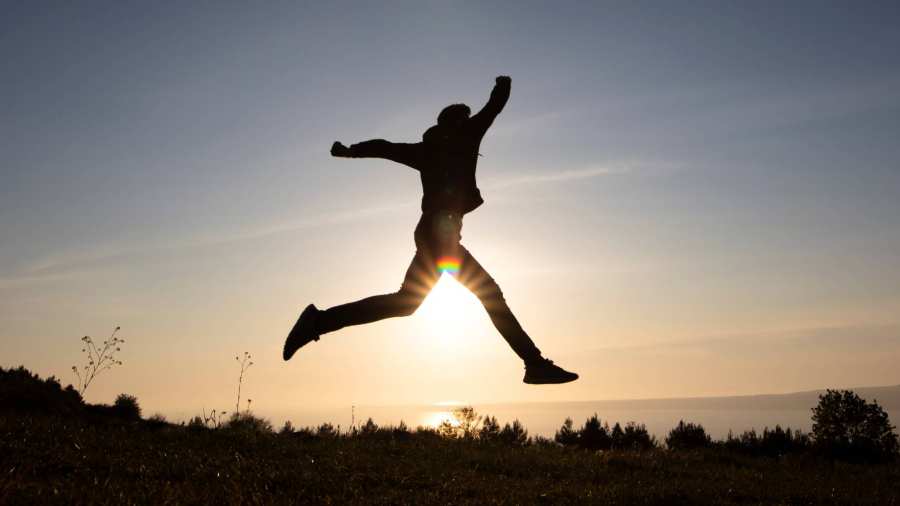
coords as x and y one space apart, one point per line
718 415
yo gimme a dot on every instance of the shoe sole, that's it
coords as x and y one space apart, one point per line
553 381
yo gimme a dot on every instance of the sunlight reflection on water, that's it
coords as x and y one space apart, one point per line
434 418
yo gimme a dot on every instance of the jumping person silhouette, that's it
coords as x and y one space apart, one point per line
446 160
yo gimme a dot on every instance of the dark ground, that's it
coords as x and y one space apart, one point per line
72 460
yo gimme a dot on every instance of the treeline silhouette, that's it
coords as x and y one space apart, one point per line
845 426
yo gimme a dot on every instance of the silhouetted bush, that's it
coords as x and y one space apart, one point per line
287 428
247 422
490 429
543 442
632 437
594 435
197 423
127 407
326 430
514 434
401 431
465 424
566 435
686 436
157 421
368 428
771 443
24 392
846 426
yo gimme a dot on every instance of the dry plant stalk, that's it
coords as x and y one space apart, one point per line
98 359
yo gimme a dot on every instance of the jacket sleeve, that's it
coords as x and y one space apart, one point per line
404 153
481 121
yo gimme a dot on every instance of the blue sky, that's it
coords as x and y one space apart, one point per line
664 175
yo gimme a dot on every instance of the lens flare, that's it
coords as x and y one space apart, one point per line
450 265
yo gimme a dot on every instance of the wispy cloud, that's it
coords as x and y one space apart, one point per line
556 177
70 265
875 336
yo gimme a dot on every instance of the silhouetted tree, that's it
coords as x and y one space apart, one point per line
594 435
687 436
616 435
490 429
287 428
566 435
446 429
846 426
468 421
772 442
402 431
632 437
368 428
326 430
514 434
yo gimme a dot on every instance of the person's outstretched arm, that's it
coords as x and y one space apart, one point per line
405 153
485 117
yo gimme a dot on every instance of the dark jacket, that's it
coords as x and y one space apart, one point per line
446 158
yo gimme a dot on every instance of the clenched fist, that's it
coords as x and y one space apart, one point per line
338 149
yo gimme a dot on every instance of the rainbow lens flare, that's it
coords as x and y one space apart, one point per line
450 265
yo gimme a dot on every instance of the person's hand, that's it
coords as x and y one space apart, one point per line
338 149
503 80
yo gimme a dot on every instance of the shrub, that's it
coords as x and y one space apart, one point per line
287 428
326 430
846 426
778 441
543 442
127 407
490 429
401 431
514 434
632 437
24 392
686 436
157 421
468 421
772 443
369 428
566 435
247 422
594 435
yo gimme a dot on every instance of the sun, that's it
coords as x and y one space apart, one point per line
451 313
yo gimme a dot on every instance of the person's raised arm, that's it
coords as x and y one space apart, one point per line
499 95
407 154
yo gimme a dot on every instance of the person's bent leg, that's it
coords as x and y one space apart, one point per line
416 284
473 276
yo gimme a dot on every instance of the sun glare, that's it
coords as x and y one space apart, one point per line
451 313
435 418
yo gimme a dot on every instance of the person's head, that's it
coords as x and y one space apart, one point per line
453 115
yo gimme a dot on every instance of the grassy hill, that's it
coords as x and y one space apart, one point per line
62 451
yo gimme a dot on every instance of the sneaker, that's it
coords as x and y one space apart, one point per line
304 331
544 372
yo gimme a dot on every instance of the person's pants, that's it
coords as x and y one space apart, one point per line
438 250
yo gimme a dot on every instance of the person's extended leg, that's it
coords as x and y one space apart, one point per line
420 277
537 369
473 276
